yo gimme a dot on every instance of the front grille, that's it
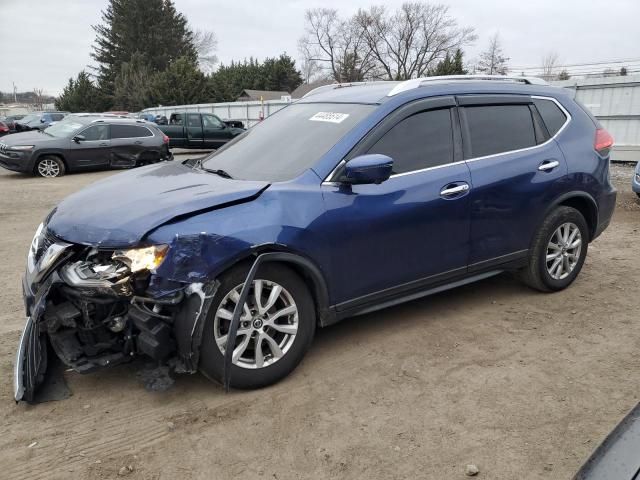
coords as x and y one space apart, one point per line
3 147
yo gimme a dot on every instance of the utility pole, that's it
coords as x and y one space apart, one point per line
15 91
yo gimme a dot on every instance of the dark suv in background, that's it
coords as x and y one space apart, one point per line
38 120
82 142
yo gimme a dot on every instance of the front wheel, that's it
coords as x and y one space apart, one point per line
558 251
49 166
276 327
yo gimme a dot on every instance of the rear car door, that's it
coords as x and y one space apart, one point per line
128 143
412 230
93 151
195 136
216 132
516 172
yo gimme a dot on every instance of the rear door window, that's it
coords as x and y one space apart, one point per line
129 131
57 116
420 141
552 115
499 128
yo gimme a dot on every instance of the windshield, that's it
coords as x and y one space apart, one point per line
65 128
287 143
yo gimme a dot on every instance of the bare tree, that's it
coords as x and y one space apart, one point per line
309 66
206 45
338 46
492 60
38 99
413 39
549 66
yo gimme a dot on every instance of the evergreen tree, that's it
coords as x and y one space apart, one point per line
449 65
132 85
81 95
279 74
180 84
152 28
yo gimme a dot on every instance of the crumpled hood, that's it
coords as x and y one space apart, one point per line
120 210
32 137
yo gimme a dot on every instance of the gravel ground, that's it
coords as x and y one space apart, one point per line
521 384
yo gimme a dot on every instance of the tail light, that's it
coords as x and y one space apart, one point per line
165 139
603 142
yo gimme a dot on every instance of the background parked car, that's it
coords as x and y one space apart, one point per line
84 142
4 129
198 130
38 120
635 182
11 121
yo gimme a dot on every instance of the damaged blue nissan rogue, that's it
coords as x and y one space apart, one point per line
354 198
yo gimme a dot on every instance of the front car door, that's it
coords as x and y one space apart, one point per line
93 150
516 171
411 231
216 132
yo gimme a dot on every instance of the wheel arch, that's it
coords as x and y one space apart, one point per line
584 203
310 273
57 154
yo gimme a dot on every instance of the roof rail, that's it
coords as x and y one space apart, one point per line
333 86
418 82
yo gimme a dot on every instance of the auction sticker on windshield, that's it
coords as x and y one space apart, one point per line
331 117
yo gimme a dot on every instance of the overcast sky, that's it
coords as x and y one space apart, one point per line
43 43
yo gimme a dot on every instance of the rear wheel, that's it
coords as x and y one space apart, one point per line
558 251
49 166
276 327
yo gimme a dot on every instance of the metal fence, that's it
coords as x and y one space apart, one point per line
249 113
615 101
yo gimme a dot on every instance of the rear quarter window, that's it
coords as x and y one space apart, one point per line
552 115
129 131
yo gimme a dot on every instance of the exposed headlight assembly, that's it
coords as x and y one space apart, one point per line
35 243
146 258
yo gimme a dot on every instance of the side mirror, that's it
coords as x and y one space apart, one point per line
79 138
367 169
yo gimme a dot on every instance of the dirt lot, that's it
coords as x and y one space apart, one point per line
522 384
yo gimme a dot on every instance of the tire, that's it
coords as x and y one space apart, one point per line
538 273
245 373
49 167
638 194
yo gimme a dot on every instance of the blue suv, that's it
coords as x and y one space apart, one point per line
355 198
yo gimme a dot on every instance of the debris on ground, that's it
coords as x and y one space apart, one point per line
471 470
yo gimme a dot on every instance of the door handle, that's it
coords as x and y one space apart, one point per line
138 142
548 165
448 191
103 144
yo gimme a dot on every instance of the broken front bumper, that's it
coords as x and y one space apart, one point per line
93 314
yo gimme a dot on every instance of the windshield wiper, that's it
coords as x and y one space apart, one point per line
222 173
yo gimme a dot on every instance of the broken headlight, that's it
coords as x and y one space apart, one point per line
35 243
146 258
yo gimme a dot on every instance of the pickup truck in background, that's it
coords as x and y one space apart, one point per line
199 130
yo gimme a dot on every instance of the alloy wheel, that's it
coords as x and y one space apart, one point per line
48 168
563 251
268 324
